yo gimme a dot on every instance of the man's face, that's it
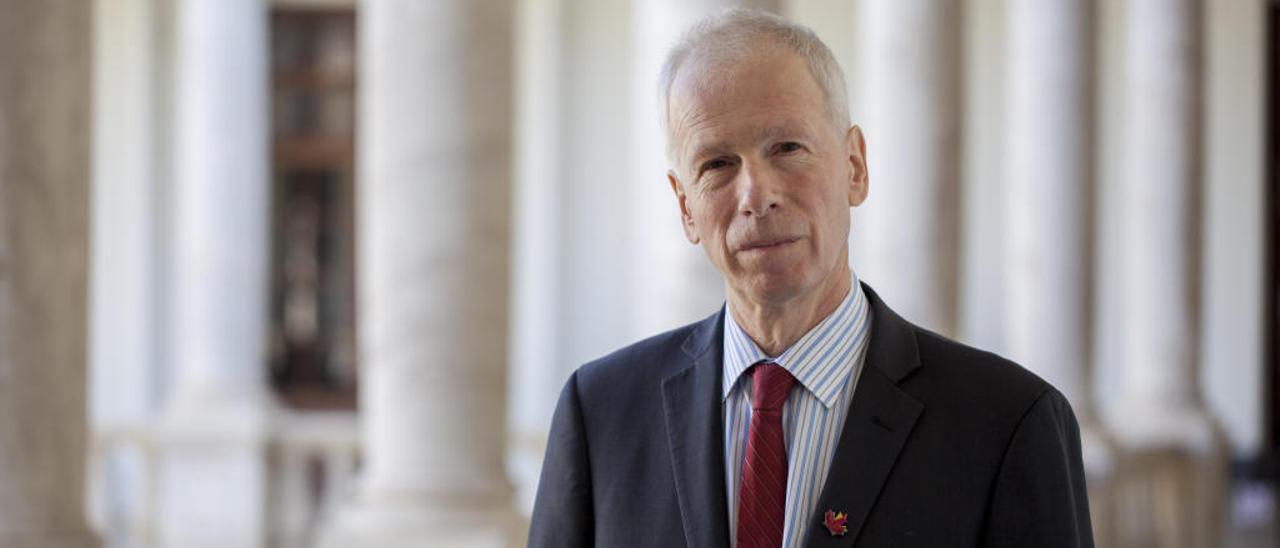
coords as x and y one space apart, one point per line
763 177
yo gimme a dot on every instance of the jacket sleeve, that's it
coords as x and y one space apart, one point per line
562 509
1039 498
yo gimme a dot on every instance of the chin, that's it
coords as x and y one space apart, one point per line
777 286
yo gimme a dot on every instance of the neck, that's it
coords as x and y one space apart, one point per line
775 326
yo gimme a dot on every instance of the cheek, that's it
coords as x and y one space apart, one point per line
837 231
830 217
712 212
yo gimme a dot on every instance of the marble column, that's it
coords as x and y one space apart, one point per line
222 204
434 194
44 232
218 413
1048 198
126 212
904 237
673 282
1172 468
538 305
127 326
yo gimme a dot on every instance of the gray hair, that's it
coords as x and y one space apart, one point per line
736 30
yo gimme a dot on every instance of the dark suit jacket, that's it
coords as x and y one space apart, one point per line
944 445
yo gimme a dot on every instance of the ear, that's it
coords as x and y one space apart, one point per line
858 178
686 218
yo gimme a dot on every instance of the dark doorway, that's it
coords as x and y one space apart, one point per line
313 85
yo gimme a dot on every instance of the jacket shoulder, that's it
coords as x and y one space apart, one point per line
648 361
953 371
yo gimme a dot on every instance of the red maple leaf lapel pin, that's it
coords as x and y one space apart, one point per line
836 523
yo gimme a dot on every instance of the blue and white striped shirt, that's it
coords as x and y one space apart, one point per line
826 363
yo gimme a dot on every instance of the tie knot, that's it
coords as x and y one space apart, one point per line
770 386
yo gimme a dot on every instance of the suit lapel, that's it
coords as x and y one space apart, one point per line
695 434
880 419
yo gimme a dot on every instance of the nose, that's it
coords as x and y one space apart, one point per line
757 190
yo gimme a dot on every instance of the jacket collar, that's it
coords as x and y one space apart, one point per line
881 418
695 434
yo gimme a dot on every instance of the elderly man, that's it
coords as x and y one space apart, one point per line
805 412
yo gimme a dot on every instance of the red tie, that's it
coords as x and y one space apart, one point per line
762 500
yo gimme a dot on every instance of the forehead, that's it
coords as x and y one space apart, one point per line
745 97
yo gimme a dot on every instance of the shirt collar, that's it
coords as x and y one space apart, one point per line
821 360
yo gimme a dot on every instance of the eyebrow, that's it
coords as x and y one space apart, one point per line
772 133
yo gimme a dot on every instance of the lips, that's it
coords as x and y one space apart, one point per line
767 244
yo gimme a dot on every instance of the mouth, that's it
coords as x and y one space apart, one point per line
766 245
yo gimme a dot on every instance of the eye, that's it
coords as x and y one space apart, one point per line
788 147
713 164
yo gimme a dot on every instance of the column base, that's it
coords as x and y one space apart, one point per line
1145 426
1098 450
59 539
1170 488
1099 456
1170 499
407 523
212 476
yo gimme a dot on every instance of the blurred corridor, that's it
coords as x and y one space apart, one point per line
252 251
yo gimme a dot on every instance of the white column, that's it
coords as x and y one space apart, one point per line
126 325
1048 196
1163 176
44 232
221 204
1161 184
123 316
434 194
982 288
1048 192
904 238
1171 444
537 305
673 282
212 484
